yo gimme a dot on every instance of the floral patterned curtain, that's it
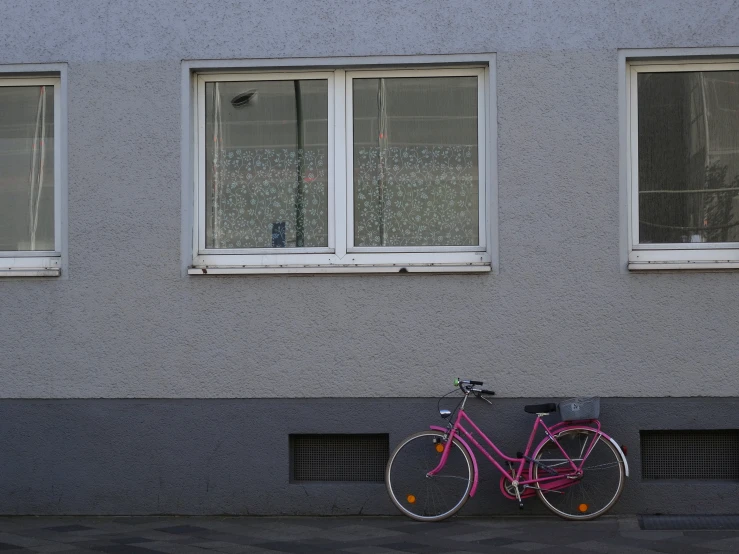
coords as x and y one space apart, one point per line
416 196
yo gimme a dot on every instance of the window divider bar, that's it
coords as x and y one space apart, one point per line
58 167
30 254
420 249
633 153
331 156
482 159
342 167
349 157
200 166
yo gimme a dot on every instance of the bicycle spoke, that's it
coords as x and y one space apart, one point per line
603 466
551 463
599 485
424 497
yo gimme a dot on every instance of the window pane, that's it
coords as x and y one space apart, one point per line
26 168
688 157
416 180
266 164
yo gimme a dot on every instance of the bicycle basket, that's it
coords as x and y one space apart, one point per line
574 409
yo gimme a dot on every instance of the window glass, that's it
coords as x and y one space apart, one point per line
27 168
415 161
688 157
266 164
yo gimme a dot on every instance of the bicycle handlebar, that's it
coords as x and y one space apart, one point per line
468 386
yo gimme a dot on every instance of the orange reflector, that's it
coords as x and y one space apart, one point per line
583 508
411 499
439 447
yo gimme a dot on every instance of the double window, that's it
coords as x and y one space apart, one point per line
362 170
30 199
683 132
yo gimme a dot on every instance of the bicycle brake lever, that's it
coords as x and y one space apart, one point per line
481 397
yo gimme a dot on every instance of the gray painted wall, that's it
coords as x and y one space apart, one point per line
560 317
211 456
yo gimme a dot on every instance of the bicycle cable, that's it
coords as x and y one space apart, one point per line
438 404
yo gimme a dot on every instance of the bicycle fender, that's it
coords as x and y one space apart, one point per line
623 456
469 451
565 428
619 450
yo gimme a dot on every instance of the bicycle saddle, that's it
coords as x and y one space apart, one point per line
540 408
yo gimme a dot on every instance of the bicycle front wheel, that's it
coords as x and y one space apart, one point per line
589 494
424 497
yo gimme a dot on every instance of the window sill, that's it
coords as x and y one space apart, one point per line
30 266
364 262
319 269
690 265
706 259
29 272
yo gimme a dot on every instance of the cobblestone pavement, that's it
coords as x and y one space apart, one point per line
359 535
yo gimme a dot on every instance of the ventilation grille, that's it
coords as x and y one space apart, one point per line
690 454
339 457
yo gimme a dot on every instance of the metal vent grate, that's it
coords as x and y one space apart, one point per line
690 454
339 457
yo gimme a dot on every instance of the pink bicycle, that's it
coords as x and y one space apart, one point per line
577 470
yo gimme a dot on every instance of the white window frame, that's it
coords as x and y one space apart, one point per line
340 255
40 263
723 255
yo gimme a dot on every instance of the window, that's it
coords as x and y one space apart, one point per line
684 165
30 198
341 170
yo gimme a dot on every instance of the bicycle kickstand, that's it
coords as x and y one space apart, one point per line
518 495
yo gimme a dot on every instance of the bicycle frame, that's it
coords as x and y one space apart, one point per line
530 484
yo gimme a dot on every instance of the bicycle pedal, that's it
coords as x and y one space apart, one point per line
520 505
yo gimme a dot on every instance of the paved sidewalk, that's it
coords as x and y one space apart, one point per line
358 535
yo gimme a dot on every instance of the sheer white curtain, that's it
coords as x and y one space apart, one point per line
218 162
26 168
38 158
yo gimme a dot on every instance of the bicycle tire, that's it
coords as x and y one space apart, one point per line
426 498
596 490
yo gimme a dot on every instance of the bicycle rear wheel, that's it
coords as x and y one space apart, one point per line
590 494
419 496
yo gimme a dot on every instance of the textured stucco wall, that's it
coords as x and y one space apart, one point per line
560 317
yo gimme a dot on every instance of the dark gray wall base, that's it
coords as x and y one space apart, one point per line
232 457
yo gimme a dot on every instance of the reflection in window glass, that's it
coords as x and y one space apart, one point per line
688 157
266 164
416 179
27 168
